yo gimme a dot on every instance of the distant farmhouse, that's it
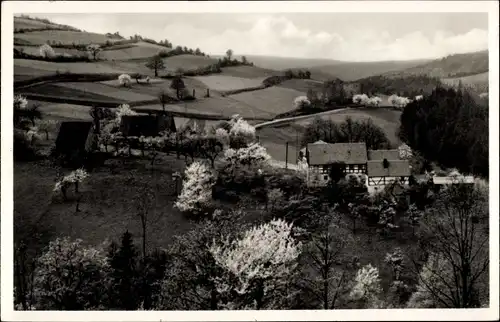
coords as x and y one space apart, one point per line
381 167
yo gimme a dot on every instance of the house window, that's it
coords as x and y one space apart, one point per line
325 177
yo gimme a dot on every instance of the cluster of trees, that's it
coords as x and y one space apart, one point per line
347 131
228 262
28 126
366 100
178 50
255 258
449 127
407 86
300 74
228 60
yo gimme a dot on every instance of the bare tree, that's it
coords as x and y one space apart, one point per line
328 264
146 201
163 98
156 63
456 239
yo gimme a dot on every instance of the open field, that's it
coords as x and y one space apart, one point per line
64 112
249 72
35 50
274 100
59 90
107 207
65 37
480 82
227 106
76 68
229 83
302 85
187 62
119 93
133 51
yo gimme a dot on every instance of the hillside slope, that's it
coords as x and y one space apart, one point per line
451 66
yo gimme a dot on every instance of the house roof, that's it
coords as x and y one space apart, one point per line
327 153
397 168
383 154
452 179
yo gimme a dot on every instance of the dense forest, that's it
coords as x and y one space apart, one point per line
449 127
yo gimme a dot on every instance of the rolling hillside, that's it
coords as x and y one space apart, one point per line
451 66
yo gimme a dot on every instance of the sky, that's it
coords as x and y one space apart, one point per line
338 36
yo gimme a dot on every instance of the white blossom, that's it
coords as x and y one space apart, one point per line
366 284
267 253
197 188
254 155
222 136
20 102
124 79
419 97
399 101
360 98
76 176
241 130
301 102
47 51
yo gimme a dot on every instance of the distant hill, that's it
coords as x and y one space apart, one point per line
350 71
325 69
457 65
281 63
471 69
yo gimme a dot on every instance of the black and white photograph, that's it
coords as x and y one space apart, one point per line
219 158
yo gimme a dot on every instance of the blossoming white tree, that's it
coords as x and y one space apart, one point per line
301 102
256 266
241 133
196 191
47 51
222 136
254 156
360 98
373 101
20 102
74 178
419 97
366 288
70 276
124 80
399 101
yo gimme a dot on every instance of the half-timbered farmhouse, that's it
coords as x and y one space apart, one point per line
381 167
322 156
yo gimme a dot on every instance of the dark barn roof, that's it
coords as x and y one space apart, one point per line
383 154
73 136
327 153
396 168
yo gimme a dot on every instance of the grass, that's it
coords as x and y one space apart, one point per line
302 85
32 50
119 93
59 90
187 62
248 72
228 106
75 68
63 112
478 81
108 206
132 51
229 83
65 37
273 100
